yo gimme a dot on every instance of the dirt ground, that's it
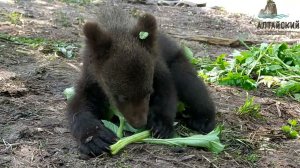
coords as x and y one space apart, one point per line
33 130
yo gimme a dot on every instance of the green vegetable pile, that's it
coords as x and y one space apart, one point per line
210 141
46 46
275 65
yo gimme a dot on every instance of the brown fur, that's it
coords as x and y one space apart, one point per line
141 77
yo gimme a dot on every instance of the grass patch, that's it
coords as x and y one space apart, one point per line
249 108
253 158
239 147
63 19
47 46
14 18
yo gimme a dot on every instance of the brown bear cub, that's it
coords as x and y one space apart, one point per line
143 77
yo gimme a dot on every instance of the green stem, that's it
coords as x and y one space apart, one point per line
115 148
279 60
260 56
290 77
241 41
259 74
121 127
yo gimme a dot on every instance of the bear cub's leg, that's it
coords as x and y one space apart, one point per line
193 92
190 88
163 103
84 113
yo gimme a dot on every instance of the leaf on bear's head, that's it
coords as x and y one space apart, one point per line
143 35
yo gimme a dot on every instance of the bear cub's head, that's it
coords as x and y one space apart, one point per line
122 63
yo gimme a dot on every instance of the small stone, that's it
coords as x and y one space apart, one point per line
39 129
60 130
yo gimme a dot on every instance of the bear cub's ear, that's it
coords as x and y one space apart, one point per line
96 38
146 23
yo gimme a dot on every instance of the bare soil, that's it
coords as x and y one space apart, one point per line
33 130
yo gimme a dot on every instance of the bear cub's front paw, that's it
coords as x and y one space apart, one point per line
97 142
161 129
201 125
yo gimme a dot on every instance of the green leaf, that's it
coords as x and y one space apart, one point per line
241 57
188 53
65 50
210 141
290 87
69 93
293 134
143 35
236 79
283 47
129 128
263 46
293 123
286 129
113 127
220 61
249 60
297 96
274 67
281 50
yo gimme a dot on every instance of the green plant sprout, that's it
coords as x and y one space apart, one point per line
48 46
14 17
250 108
291 130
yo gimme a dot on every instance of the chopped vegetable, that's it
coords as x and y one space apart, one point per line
115 148
210 141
